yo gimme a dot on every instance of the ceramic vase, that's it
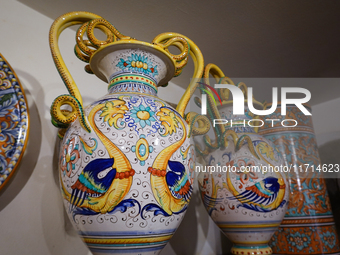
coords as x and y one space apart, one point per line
126 161
243 186
308 226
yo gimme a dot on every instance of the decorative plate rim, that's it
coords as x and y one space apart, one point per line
24 126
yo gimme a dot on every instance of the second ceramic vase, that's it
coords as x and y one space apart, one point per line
242 185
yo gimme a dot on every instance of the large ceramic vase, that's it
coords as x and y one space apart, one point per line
126 162
242 184
308 226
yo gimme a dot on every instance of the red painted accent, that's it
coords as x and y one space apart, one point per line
125 64
213 90
152 69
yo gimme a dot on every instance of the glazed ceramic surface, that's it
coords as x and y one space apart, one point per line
126 161
14 121
130 180
308 226
245 190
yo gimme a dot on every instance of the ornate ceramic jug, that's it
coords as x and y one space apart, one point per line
308 226
243 185
126 161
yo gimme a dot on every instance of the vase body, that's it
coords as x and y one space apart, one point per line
127 183
308 226
240 189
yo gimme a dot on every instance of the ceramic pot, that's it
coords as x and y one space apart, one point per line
308 226
243 185
126 162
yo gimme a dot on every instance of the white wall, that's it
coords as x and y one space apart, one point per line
326 120
32 219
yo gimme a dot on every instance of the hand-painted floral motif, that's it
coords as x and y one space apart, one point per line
69 157
143 115
138 63
298 240
242 175
13 121
329 239
305 240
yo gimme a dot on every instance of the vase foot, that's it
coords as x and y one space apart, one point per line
251 249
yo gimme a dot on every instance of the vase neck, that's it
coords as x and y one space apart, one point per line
238 123
132 82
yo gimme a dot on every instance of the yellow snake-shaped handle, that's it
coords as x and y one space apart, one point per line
220 131
86 47
203 124
167 39
84 50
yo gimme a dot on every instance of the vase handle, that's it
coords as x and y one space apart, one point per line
83 50
186 46
62 118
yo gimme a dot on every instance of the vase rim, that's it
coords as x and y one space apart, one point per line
133 44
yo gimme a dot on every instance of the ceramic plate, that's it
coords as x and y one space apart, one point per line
14 121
